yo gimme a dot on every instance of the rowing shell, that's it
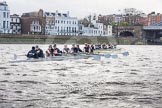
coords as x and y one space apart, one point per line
54 58
107 50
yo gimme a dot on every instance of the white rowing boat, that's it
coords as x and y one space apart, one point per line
54 58
95 56
107 50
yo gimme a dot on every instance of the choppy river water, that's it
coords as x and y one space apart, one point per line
134 81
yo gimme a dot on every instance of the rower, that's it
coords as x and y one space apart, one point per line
50 51
104 46
86 48
74 49
56 51
39 52
92 48
78 48
66 50
32 53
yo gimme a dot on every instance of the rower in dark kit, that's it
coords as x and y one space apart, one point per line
32 53
86 48
39 52
78 48
92 48
74 49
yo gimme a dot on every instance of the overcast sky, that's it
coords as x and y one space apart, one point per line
82 8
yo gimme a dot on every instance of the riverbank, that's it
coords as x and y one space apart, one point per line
42 39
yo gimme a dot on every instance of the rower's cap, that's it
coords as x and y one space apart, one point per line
33 48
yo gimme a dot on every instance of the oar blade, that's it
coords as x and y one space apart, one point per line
125 53
107 55
15 56
97 57
114 56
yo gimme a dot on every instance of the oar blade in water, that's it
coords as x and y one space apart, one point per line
15 56
107 55
97 57
125 53
114 56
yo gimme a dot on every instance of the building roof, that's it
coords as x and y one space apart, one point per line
14 15
54 14
3 3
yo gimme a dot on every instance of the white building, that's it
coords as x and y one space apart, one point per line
4 18
15 24
107 30
93 29
61 24
35 27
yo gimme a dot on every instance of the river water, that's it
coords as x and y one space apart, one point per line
134 81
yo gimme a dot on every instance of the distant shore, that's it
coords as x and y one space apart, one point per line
43 39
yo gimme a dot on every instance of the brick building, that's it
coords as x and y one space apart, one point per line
33 23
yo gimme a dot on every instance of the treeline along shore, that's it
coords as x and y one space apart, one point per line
43 39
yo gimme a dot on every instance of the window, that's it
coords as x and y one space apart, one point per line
7 15
11 27
5 8
7 24
4 23
67 29
58 28
4 14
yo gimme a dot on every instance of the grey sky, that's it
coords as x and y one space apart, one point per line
82 8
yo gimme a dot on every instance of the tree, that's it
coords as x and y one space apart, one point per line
132 11
133 15
85 22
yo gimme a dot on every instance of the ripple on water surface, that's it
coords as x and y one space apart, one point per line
127 82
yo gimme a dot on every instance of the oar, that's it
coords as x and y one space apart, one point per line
96 57
16 56
107 55
125 53
114 56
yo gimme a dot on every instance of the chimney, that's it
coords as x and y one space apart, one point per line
68 13
56 12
